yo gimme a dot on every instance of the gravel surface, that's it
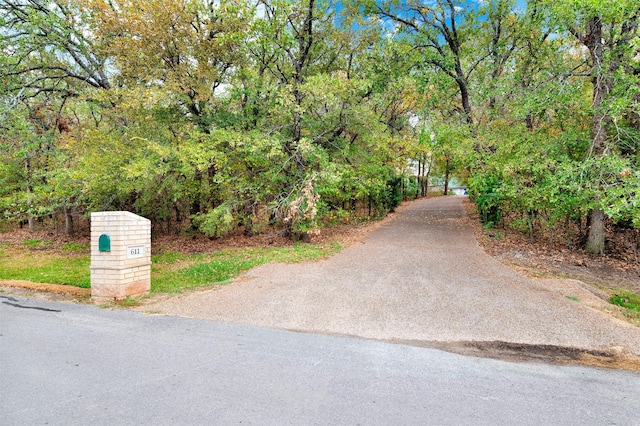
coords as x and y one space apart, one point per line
419 278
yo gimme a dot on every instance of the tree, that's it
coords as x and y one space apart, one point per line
47 59
606 31
48 44
186 48
442 32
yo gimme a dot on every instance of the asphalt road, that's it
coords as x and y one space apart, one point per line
70 364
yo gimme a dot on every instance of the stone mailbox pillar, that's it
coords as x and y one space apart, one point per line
120 255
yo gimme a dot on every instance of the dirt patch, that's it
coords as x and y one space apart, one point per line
601 275
539 259
520 352
46 291
345 235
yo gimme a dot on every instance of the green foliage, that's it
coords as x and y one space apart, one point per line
292 116
216 222
483 189
393 194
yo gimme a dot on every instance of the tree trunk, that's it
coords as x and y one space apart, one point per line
426 182
248 227
419 179
446 177
601 87
595 241
466 103
603 78
68 222
249 211
425 178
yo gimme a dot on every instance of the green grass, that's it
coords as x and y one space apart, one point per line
32 243
76 247
628 300
171 272
45 268
174 272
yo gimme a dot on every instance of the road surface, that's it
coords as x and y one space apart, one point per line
69 364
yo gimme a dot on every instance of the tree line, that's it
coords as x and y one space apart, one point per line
209 116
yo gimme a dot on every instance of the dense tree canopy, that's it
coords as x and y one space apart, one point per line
209 116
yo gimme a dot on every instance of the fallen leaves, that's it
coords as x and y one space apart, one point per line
618 269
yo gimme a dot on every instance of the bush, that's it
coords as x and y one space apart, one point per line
483 189
216 222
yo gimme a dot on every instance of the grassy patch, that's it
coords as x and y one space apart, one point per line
171 272
76 247
45 268
626 299
129 302
174 272
32 243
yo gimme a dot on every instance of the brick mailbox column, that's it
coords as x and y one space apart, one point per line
120 256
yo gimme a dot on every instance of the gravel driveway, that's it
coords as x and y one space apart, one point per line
419 278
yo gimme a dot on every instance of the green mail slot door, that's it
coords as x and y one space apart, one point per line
104 243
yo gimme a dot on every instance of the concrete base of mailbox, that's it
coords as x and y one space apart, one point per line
123 268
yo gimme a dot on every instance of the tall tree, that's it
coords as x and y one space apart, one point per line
187 48
50 44
606 30
442 32
47 58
